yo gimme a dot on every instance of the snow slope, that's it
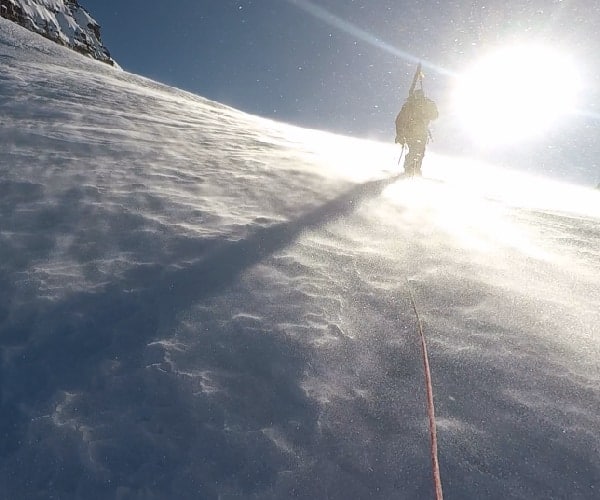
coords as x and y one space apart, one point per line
199 303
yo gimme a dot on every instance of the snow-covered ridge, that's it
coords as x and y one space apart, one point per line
62 21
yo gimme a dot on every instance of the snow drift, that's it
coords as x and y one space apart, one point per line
199 303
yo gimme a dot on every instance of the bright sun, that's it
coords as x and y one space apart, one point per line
515 93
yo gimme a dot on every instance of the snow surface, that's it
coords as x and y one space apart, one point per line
199 303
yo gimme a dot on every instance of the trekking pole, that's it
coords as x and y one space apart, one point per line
401 153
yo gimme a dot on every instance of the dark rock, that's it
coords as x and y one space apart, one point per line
36 16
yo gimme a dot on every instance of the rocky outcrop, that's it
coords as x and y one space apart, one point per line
62 21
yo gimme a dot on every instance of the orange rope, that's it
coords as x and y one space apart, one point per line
437 481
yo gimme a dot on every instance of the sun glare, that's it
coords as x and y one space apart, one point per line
516 93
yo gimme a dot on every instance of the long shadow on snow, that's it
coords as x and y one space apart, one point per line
227 261
77 337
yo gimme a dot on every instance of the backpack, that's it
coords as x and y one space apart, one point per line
414 117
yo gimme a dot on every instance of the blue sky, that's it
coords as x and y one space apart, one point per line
272 57
345 66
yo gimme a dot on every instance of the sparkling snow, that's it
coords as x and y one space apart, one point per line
199 303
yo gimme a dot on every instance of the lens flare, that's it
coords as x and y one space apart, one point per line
332 20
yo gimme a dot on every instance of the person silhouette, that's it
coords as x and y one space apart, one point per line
412 129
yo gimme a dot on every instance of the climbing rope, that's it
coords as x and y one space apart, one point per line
437 481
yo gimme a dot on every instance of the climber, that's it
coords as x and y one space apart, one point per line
412 125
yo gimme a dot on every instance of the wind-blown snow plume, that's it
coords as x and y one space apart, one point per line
196 303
